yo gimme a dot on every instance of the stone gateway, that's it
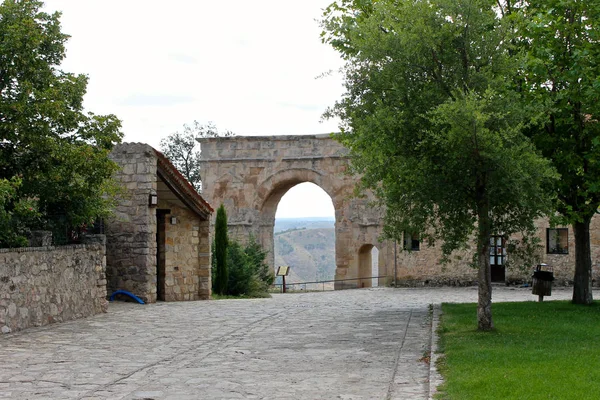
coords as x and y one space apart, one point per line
250 174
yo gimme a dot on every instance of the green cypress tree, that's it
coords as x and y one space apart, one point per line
221 243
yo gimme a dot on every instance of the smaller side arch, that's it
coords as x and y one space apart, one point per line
365 262
368 266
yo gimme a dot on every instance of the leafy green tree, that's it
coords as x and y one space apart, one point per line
15 215
433 124
221 245
183 149
59 152
560 76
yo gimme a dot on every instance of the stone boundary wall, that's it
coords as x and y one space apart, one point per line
43 285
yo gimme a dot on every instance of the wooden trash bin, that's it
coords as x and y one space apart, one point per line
543 276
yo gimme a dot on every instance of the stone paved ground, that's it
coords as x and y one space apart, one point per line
356 344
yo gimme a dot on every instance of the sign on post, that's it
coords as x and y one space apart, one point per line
283 271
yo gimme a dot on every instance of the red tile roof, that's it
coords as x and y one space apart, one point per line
177 179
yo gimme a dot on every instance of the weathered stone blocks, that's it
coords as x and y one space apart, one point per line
51 284
249 175
147 254
131 233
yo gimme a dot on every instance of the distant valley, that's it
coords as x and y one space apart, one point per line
307 245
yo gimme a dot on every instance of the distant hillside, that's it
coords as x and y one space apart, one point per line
285 224
307 246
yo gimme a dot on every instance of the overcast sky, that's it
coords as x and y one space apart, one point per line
248 66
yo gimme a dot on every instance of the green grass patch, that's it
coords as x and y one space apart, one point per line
548 350
254 295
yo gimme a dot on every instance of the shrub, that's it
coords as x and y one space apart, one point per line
257 256
220 253
249 274
16 214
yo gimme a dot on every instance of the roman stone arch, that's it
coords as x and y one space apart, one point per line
250 175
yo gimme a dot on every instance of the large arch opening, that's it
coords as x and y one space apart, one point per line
304 234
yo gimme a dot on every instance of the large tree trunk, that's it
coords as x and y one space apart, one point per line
582 282
484 304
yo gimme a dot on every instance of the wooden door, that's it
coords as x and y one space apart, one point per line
160 253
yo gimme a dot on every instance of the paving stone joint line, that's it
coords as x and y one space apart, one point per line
397 361
221 339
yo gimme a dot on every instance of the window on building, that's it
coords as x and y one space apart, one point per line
557 240
497 250
411 241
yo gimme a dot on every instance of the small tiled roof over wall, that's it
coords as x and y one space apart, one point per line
180 185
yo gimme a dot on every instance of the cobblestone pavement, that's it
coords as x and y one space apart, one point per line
355 344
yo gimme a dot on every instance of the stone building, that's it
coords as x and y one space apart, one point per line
556 248
157 243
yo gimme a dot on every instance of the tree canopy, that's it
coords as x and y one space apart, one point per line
183 149
560 77
58 152
434 124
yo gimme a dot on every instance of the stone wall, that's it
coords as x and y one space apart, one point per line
564 264
424 267
131 233
186 255
43 285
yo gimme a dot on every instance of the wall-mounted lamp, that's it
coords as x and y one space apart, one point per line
153 199
173 220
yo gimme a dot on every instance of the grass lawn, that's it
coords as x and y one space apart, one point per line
548 350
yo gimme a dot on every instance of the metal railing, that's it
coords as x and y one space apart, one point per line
333 284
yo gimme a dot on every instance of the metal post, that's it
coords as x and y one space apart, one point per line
395 262
283 291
